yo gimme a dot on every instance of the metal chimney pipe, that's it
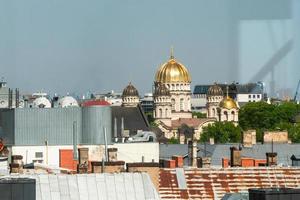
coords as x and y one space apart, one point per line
122 127
75 150
17 97
194 153
115 130
106 149
9 98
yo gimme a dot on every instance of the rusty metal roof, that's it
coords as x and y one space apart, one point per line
207 184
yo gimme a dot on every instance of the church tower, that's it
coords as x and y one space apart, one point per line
130 96
228 110
214 96
162 104
176 78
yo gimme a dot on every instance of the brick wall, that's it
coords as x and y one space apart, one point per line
248 162
276 136
109 167
151 168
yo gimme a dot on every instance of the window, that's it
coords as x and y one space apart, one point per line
233 115
213 112
160 113
181 105
226 115
173 104
249 96
166 114
39 154
258 96
253 96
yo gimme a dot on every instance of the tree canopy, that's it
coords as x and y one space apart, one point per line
262 116
222 132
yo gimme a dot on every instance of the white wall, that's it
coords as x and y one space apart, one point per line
133 152
128 152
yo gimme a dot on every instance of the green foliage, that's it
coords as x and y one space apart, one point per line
173 140
222 132
262 116
149 116
199 114
153 124
293 130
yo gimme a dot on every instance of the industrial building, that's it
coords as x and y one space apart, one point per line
50 135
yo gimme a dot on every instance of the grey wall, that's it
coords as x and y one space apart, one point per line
33 126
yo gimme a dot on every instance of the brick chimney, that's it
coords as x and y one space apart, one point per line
112 154
271 159
235 157
83 164
16 165
249 138
203 162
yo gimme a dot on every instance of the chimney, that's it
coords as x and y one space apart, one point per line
9 98
235 157
17 98
192 151
211 141
249 138
115 130
122 129
16 165
112 154
83 154
203 162
271 159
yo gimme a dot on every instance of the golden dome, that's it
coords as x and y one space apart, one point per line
228 103
172 72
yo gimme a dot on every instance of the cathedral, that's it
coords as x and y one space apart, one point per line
172 102
222 108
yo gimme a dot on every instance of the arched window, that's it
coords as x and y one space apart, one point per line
181 105
213 112
226 115
233 115
160 113
173 104
166 114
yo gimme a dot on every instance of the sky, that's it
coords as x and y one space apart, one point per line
75 46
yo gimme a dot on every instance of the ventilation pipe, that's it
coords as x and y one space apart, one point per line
122 129
17 98
75 150
115 130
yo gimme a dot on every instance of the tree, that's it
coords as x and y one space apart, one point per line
257 115
262 116
199 114
222 132
173 140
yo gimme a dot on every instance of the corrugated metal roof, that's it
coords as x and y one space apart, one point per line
213 184
123 186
